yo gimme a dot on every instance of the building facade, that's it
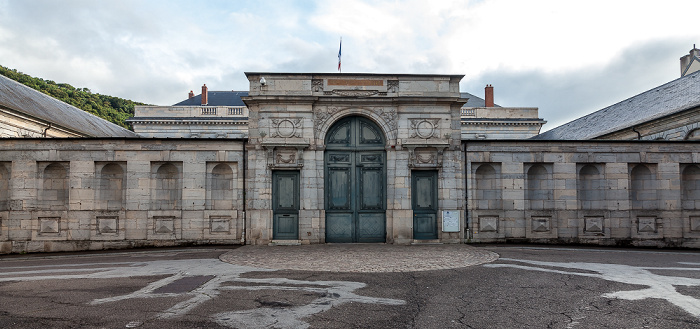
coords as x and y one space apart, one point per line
348 158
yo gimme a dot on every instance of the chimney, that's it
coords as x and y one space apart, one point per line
191 95
205 95
488 95
687 66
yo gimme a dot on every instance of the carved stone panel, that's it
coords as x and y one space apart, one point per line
488 224
593 224
317 85
541 224
285 127
49 225
164 225
695 223
284 157
424 128
646 224
108 225
392 86
425 157
220 224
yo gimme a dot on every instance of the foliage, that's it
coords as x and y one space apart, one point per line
110 108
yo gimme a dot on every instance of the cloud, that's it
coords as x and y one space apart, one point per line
545 53
564 96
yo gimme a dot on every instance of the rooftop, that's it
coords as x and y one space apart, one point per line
673 97
20 98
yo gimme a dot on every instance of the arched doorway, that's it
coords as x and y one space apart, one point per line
355 185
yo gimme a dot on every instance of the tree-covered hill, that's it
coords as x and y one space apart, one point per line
113 109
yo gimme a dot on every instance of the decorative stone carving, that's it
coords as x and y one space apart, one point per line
107 225
488 224
164 225
646 224
425 128
353 93
220 224
285 127
320 117
280 156
49 225
317 85
593 224
425 157
541 224
392 86
389 117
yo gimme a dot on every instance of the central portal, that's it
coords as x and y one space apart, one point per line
355 186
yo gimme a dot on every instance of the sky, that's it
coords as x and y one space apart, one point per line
568 58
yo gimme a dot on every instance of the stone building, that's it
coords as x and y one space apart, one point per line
378 158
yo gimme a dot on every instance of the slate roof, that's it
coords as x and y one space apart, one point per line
670 98
217 98
20 98
474 101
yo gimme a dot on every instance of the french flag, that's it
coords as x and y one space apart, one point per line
339 49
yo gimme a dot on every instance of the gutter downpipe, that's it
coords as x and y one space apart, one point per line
45 130
245 179
639 135
467 230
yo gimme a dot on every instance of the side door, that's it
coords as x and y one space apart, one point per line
424 203
285 205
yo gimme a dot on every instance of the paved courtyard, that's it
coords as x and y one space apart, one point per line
363 258
353 286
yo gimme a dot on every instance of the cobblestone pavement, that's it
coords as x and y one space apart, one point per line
364 258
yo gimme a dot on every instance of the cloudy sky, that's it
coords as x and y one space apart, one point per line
568 58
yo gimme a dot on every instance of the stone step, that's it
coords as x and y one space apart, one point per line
285 243
435 241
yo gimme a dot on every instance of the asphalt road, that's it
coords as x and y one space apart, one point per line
527 287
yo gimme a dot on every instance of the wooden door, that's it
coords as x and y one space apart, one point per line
355 187
285 205
424 203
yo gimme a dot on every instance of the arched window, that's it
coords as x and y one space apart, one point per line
220 188
488 188
643 189
168 193
591 188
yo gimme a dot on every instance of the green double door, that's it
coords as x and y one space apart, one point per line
355 183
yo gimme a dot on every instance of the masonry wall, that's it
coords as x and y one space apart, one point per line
91 194
603 193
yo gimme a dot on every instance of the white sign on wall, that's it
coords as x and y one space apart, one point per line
450 220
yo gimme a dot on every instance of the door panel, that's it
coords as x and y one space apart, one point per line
424 203
285 205
371 188
338 190
339 227
371 227
355 186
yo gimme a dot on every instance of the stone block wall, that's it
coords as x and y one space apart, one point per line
91 194
605 193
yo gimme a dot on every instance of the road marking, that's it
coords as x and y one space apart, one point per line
333 293
660 286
